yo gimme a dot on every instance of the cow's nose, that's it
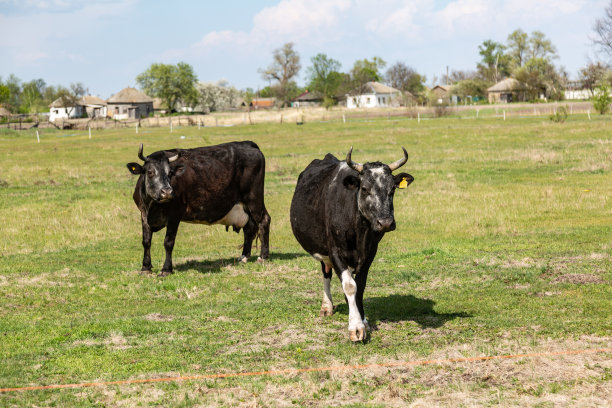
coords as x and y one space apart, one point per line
166 193
385 224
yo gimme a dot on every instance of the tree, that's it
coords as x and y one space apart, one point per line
474 87
32 96
70 96
494 64
323 76
5 93
217 97
170 83
518 46
593 75
603 33
541 47
284 67
542 78
602 99
405 78
14 86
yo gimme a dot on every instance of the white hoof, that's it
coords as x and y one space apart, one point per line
243 259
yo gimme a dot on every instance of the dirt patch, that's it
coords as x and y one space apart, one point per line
158 317
578 278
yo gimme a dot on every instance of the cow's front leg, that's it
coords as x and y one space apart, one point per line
171 230
249 230
327 306
147 235
356 328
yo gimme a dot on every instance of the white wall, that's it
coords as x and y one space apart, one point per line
65 113
368 101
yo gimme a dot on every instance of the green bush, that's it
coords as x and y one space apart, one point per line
602 99
560 115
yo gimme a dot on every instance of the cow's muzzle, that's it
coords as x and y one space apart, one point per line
384 224
166 194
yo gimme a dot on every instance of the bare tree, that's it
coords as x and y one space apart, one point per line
603 32
285 66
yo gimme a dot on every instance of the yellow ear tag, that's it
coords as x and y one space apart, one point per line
133 168
403 183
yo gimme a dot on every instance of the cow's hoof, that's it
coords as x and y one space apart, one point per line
260 259
146 271
326 312
164 273
359 334
243 259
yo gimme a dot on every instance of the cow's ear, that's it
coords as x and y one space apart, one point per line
351 182
177 169
135 168
403 180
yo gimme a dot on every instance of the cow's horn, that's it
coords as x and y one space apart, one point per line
173 158
353 165
140 155
396 165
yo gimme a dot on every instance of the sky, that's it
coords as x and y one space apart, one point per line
105 44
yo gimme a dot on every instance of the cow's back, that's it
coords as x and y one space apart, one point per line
217 177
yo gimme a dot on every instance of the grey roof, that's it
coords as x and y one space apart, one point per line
129 95
508 84
89 100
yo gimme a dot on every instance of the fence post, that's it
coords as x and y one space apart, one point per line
37 136
589 113
504 115
170 125
477 112
418 117
343 118
89 132
136 128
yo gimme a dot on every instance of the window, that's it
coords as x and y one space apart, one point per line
368 100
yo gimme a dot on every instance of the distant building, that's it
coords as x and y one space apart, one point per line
129 103
63 109
94 107
441 94
577 90
373 95
307 98
4 112
263 103
508 90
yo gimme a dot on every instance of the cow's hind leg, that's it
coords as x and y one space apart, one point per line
264 235
171 230
327 306
147 236
249 230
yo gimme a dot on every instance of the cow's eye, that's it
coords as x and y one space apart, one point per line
364 191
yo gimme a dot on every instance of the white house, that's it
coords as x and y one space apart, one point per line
64 110
373 95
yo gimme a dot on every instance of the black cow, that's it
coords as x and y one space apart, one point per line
339 213
221 184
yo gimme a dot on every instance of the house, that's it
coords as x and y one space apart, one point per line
62 108
94 107
129 103
441 94
508 90
372 95
262 103
4 112
577 90
307 98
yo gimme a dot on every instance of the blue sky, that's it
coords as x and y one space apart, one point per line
105 44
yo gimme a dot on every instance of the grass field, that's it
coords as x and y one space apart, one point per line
503 246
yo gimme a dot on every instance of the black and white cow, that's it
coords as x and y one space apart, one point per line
339 213
222 184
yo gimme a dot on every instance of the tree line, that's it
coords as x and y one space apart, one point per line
529 58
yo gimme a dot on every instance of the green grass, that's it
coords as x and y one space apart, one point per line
504 244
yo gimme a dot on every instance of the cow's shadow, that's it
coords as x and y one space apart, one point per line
217 265
399 308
